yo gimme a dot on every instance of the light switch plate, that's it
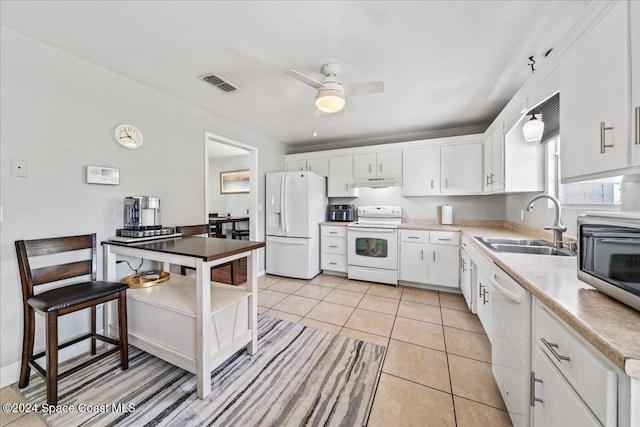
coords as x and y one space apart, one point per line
18 168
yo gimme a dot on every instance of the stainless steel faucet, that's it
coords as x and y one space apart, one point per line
558 228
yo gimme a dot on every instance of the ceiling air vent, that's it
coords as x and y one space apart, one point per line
220 83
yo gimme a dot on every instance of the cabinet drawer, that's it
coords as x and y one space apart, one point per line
334 262
592 379
334 231
444 238
465 242
334 245
415 236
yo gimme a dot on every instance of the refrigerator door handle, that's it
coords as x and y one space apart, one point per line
282 195
290 241
285 214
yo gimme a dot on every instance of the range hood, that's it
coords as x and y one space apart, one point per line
378 182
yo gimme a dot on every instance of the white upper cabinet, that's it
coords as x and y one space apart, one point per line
421 172
296 165
461 169
319 166
494 162
341 177
594 97
385 163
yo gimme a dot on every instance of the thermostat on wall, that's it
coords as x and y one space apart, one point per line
103 175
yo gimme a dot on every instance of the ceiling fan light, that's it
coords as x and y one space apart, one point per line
533 129
330 101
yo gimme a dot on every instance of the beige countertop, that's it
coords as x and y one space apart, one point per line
610 326
335 223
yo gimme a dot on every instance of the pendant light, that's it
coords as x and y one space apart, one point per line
533 129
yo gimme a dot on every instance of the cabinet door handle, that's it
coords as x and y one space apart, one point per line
637 125
493 181
434 256
603 145
532 386
432 184
333 263
333 246
369 166
414 237
422 254
488 179
447 240
552 348
446 183
380 167
309 168
333 232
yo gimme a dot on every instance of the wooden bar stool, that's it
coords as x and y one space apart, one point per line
205 230
239 234
63 300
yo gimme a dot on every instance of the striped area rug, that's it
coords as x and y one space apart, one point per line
299 377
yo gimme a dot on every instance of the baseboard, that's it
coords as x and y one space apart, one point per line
11 373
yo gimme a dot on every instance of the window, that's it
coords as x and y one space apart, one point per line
596 192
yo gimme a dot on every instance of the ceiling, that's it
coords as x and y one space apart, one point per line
445 65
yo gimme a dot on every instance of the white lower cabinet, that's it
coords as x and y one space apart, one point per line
466 276
429 257
480 285
575 385
555 403
483 294
333 243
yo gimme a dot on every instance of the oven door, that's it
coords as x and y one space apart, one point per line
373 247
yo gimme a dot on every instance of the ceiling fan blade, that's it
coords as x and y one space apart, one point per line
364 88
304 79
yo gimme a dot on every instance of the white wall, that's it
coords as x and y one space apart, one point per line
235 204
464 207
58 113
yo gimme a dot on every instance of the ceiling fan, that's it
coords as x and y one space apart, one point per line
331 93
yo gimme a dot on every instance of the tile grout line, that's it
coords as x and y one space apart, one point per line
444 337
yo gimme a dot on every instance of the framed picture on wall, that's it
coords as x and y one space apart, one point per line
232 182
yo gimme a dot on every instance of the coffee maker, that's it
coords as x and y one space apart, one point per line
142 218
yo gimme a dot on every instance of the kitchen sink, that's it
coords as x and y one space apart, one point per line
534 250
523 246
519 242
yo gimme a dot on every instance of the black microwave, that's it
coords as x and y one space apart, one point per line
609 254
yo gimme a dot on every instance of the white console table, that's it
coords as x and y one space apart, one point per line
192 323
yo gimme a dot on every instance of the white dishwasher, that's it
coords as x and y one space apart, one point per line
511 343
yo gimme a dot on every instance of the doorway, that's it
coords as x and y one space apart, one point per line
219 147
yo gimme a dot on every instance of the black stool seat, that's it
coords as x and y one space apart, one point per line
67 296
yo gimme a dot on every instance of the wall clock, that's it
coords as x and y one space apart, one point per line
128 136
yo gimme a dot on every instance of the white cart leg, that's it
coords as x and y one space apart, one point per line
109 274
203 328
252 286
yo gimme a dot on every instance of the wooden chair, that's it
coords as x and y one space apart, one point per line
205 230
63 300
239 234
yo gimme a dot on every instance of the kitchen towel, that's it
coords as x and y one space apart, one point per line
447 214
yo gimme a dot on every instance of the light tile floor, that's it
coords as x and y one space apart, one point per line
436 370
437 367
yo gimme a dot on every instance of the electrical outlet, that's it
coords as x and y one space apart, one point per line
18 168
522 215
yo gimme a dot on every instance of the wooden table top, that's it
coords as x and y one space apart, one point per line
207 248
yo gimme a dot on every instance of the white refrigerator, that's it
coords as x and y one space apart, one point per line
296 203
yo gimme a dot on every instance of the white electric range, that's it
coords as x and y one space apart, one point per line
372 244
